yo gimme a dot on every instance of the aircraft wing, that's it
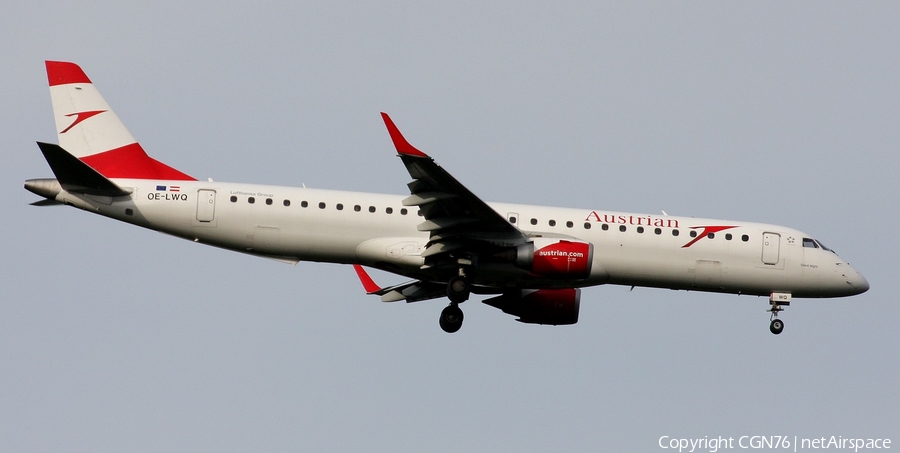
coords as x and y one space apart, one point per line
413 291
459 222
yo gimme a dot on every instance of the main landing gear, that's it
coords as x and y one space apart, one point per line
777 301
451 318
458 290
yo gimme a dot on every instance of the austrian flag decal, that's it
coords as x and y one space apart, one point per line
169 193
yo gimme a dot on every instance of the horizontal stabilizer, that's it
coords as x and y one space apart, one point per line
46 202
77 176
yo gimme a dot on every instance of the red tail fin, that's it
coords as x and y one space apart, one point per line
92 132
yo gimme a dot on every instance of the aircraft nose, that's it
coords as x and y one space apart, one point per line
856 280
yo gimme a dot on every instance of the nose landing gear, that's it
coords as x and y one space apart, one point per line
777 301
776 326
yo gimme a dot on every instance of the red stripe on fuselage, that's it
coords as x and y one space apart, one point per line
706 231
130 161
61 73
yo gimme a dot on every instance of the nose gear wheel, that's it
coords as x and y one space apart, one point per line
776 326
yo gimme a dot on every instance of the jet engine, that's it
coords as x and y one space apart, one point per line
540 306
549 257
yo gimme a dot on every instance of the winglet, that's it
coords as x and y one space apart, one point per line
368 284
403 146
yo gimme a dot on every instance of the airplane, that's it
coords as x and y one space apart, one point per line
531 260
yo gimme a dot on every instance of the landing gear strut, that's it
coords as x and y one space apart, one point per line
458 290
451 318
777 301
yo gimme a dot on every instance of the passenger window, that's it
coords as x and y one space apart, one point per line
371 208
640 229
233 199
674 232
303 204
287 202
658 231
693 233
622 228
403 211
269 201
604 227
553 223
745 238
570 224
340 206
711 235
728 236
357 208
534 221
512 219
587 225
251 200
389 210
321 205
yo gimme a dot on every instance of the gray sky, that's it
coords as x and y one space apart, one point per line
114 338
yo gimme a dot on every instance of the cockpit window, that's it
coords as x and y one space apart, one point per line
814 244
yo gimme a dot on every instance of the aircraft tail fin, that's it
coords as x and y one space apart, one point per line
89 130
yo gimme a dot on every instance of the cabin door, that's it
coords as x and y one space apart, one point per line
771 248
206 205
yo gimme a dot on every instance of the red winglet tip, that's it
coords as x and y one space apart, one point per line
368 284
61 73
403 146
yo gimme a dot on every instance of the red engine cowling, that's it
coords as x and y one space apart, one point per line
541 306
549 257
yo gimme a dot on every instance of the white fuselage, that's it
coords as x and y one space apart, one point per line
442 236
300 224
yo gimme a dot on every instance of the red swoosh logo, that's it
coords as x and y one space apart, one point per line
79 117
706 230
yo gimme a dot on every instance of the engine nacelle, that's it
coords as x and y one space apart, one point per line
549 257
541 306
